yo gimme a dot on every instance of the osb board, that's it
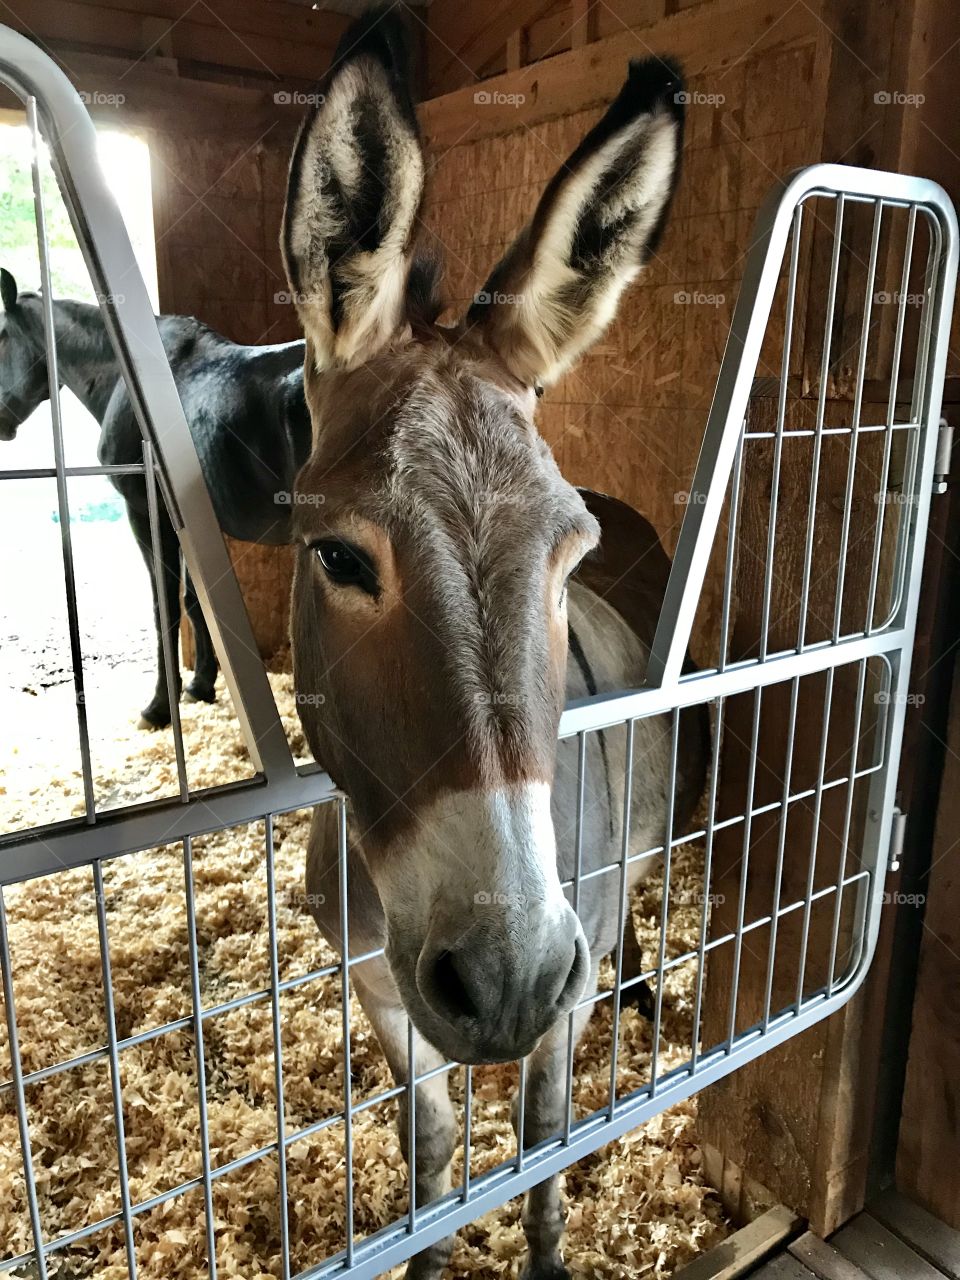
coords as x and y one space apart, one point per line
629 418
926 1171
638 1207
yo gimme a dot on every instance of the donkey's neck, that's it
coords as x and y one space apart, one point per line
85 357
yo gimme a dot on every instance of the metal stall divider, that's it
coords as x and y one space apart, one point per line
172 474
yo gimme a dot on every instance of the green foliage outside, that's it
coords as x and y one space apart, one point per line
18 237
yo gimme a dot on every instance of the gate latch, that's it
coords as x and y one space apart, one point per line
941 468
898 830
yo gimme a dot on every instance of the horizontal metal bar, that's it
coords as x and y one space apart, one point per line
73 843
808 432
50 473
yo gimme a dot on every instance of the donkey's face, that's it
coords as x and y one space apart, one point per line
437 534
23 363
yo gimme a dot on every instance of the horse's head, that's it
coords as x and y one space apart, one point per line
23 361
436 534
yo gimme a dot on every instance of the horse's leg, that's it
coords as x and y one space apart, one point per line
435 1128
544 1114
156 714
202 688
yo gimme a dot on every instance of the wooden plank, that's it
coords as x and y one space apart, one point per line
746 1248
823 1261
583 22
881 1254
461 38
75 24
589 77
282 19
784 1267
927 1235
516 50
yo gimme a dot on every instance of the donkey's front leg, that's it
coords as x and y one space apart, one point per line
435 1127
544 1114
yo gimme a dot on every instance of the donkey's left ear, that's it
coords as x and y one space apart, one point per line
600 218
354 192
8 290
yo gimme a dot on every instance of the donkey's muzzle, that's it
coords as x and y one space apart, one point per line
499 987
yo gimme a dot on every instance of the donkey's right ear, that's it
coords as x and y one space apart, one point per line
8 290
354 193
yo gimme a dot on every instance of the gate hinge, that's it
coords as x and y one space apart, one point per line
941 468
898 830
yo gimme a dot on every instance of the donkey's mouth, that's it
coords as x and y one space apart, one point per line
8 430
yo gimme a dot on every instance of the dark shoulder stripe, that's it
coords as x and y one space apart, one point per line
580 658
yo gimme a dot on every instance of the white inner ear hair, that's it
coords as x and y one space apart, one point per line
373 282
558 332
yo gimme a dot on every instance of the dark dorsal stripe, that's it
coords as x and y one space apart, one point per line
580 658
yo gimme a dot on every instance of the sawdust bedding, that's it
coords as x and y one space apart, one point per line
638 1207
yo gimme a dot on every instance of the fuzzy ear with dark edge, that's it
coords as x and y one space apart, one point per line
8 290
600 218
354 193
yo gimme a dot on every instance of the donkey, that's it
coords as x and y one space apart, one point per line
437 625
247 415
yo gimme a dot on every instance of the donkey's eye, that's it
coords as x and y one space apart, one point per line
347 566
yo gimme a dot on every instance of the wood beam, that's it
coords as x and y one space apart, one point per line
217 37
590 77
461 41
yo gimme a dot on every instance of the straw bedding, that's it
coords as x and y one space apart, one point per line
636 1208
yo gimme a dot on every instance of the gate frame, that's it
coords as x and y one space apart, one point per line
281 786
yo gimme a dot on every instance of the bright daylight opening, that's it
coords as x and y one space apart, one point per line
113 591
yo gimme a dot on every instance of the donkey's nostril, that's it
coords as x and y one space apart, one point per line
577 977
450 990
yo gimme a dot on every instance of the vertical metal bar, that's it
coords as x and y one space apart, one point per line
665 897
342 851
16 1071
412 1126
63 505
621 914
744 867
818 429
847 822
169 656
577 873
781 850
277 1048
707 877
855 420
778 440
815 838
116 1084
467 1104
891 418
734 519
197 999
521 1112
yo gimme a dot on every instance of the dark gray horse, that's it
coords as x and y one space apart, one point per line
246 411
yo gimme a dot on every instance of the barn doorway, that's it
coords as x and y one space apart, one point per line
112 587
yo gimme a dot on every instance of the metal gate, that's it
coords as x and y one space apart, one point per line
858 655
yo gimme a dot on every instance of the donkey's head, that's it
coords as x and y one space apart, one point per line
23 361
436 533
